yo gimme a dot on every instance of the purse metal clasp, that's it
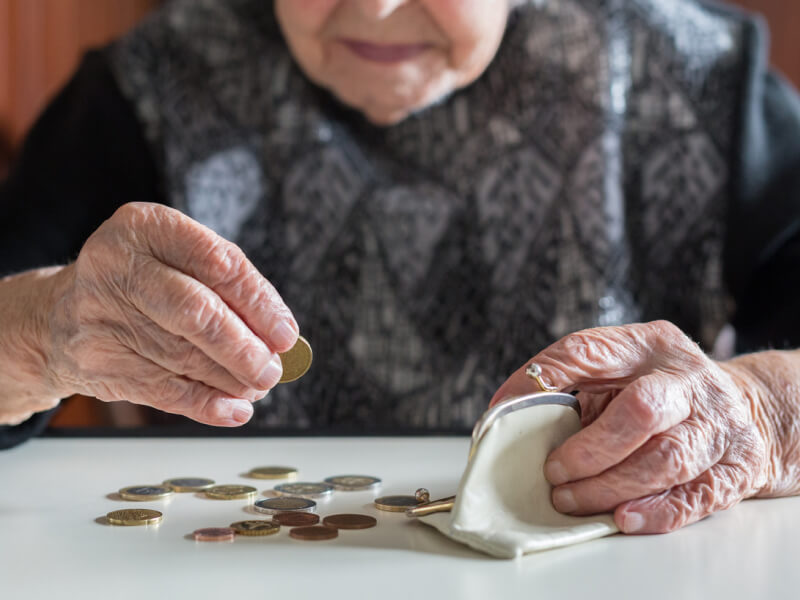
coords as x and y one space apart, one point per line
546 396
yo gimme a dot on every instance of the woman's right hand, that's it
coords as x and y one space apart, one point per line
161 311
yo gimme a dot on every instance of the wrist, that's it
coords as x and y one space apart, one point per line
27 379
766 380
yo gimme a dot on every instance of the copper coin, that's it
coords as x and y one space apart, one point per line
350 521
295 519
215 534
315 533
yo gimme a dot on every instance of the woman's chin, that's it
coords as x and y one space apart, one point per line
383 118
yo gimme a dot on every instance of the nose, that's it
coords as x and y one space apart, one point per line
379 9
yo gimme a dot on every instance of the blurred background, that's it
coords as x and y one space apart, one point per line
41 42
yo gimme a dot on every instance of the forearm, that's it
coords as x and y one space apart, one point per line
27 384
773 379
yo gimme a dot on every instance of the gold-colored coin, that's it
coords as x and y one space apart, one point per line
134 516
273 473
145 492
231 492
255 527
296 361
395 503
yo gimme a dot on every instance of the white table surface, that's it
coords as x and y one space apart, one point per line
53 493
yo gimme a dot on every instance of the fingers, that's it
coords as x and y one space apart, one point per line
593 405
186 308
667 460
603 358
648 406
143 382
197 251
719 488
178 355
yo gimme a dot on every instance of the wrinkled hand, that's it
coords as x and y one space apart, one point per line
161 311
669 436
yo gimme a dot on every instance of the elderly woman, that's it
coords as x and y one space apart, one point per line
437 190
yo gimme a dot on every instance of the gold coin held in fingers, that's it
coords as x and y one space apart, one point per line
296 361
134 516
231 492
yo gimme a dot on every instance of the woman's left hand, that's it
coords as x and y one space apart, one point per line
669 435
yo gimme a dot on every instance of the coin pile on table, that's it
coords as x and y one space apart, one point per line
293 505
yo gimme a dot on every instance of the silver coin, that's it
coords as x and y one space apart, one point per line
189 484
145 492
285 504
304 489
354 483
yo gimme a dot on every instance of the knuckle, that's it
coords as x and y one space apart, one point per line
267 298
240 390
250 360
676 510
221 261
668 334
642 412
585 348
672 340
175 395
186 357
133 215
669 459
200 314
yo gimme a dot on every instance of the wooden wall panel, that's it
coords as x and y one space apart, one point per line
41 42
783 17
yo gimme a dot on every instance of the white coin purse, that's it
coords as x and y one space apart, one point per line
503 505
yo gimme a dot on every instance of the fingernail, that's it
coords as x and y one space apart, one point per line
632 522
271 374
283 335
242 411
555 472
564 501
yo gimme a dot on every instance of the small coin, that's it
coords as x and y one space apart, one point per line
285 504
347 521
273 473
254 527
214 534
189 484
295 519
134 516
354 483
145 492
314 533
304 489
231 492
395 503
296 361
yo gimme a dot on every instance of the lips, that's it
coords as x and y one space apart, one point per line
385 53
